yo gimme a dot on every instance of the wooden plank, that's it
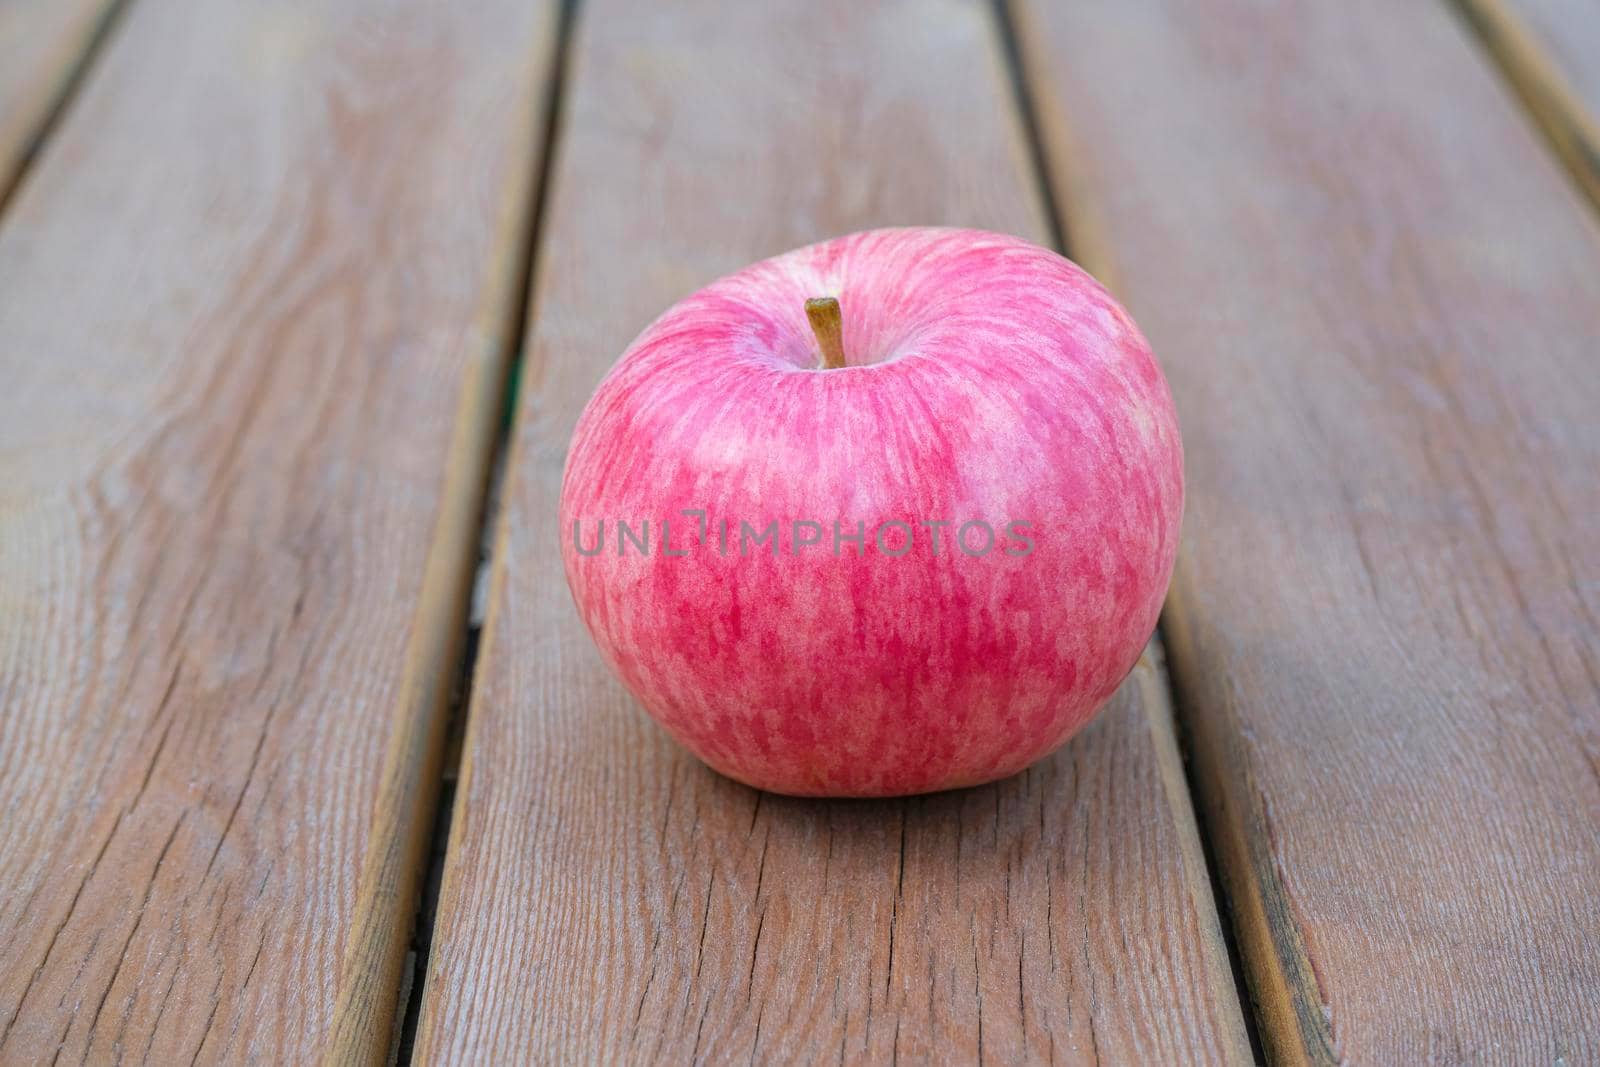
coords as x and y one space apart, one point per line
255 301
609 899
42 45
1378 301
1550 53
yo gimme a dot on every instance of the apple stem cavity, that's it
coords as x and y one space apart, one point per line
828 324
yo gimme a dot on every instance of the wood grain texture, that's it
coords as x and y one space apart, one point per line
1377 298
607 898
42 46
255 301
1550 53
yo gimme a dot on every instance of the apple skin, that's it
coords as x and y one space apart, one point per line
987 378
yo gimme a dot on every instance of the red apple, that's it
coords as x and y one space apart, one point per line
995 424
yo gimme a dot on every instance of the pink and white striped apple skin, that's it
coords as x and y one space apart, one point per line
986 379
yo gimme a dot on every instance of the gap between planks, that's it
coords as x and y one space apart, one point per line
491 515
75 71
1535 78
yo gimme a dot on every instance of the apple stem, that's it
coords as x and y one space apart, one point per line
828 324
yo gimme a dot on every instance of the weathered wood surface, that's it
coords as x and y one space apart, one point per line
1550 53
42 45
607 898
1377 298
255 299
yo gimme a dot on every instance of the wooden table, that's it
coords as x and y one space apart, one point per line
283 783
